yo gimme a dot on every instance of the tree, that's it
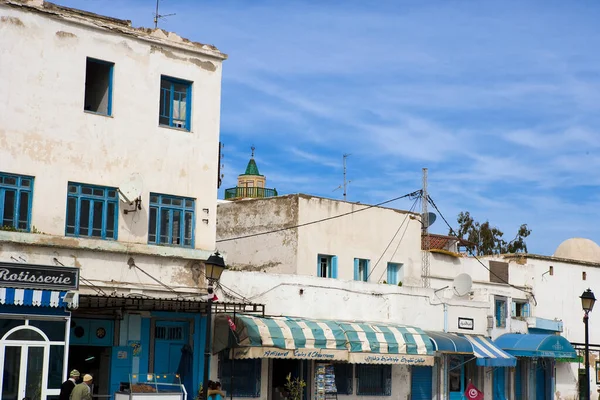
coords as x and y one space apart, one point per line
489 239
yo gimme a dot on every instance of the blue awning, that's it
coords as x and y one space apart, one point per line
32 297
536 345
449 343
488 354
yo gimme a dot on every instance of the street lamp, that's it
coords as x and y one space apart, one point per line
214 267
587 303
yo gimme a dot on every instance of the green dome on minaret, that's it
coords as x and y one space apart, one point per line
252 168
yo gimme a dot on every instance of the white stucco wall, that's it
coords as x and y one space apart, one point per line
45 133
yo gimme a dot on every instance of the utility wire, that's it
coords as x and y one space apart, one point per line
453 233
392 240
396 249
415 193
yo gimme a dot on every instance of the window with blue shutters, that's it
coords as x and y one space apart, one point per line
16 193
246 376
92 211
394 273
500 313
361 269
520 309
171 220
175 103
373 380
343 378
326 266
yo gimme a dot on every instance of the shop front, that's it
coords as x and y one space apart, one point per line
463 359
536 355
332 357
34 329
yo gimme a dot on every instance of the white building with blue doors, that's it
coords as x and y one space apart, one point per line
108 165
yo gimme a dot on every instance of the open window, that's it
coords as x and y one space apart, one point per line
98 86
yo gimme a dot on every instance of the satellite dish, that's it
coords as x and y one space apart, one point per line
462 284
431 219
131 189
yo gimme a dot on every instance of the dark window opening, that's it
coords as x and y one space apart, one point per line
98 86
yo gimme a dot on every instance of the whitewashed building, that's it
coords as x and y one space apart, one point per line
109 138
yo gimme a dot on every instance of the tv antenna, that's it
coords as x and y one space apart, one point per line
346 182
425 269
158 16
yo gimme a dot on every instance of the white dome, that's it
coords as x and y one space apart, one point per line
579 249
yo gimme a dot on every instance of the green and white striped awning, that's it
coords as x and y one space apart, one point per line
283 337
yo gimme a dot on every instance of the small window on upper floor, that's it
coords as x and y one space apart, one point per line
520 309
171 220
175 103
92 211
361 269
98 86
15 201
326 266
395 273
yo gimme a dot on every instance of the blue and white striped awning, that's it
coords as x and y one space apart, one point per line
444 342
283 337
387 344
32 297
488 354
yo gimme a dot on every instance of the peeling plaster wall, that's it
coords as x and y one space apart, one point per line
272 253
364 234
44 131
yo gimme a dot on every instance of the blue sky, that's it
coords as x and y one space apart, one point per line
501 101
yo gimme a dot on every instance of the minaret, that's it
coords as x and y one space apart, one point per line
250 184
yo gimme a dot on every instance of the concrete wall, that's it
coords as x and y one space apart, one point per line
45 133
272 253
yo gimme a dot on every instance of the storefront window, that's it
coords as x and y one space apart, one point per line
25 334
246 376
343 378
55 367
373 380
55 330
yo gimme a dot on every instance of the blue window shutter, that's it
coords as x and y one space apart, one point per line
334 267
526 310
318 265
514 309
389 273
366 271
356 277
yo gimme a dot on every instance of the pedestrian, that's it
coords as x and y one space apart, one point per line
83 391
67 387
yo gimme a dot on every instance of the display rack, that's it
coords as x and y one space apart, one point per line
152 387
325 387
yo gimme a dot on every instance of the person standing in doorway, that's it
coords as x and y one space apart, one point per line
83 391
67 387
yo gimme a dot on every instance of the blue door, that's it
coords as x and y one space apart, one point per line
499 383
421 383
540 381
169 339
120 366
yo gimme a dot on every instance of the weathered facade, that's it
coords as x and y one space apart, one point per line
109 140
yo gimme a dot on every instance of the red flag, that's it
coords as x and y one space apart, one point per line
472 393
231 324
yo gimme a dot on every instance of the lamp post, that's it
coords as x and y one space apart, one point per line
214 267
587 303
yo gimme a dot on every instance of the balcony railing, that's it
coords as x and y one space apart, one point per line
249 192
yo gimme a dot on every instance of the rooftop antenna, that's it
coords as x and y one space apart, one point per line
252 148
425 232
345 185
158 16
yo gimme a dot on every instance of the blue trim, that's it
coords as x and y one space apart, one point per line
356 272
145 342
172 93
449 343
334 267
162 202
108 198
19 189
488 354
33 310
9 297
536 345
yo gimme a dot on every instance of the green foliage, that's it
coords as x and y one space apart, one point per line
400 283
294 387
8 228
489 239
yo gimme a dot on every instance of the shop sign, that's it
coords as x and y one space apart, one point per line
404 359
298 354
466 323
38 276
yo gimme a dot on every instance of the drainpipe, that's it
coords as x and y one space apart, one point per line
445 317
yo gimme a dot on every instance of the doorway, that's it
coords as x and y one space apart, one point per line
281 369
93 360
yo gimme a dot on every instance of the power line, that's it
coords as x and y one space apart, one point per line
412 194
453 233
392 240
